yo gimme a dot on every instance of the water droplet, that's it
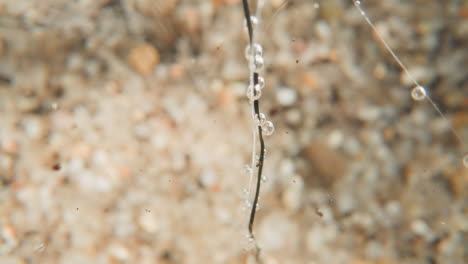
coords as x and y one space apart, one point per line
358 2
465 161
261 82
264 178
247 169
248 204
257 64
261 119
254 94
418 93
268 128
253 20
258 50
245 191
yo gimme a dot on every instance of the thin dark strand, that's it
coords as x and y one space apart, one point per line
260 135
260 163
247 19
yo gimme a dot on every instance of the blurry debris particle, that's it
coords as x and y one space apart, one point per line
327 164
56 166
143 58
318 212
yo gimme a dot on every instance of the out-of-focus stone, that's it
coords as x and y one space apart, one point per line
327 163
10 146
11 260
143 58
292 196
286 96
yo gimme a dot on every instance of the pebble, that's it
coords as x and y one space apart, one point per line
143 58
318 236
10 146
286 96
149 222
208 178
292 196
276 231
11 260
293 117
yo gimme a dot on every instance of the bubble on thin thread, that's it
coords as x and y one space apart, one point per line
268 128
257 64
253 20
260 119
254 92
418 93
257 50
247 169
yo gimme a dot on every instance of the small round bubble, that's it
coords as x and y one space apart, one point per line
258 50
254 92
257 64
418 93
253 20
247 169
261 82
268 128
261 119
264 178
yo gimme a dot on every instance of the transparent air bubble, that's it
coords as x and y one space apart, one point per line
258 50
268 128
418 93
261 119
254 92
257 64
264 178
254 21
261 82
247 169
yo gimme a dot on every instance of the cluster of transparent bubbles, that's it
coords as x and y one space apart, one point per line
254 91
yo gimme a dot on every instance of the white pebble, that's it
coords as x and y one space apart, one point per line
148 222
286 96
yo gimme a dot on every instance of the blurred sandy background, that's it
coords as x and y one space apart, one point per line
124 131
